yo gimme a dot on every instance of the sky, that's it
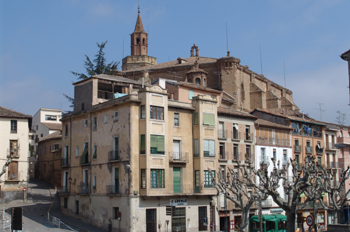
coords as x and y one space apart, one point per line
296 44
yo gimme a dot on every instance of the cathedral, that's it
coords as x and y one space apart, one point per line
242 87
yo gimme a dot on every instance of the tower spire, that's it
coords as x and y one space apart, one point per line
139 25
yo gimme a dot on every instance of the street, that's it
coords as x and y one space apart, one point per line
40 197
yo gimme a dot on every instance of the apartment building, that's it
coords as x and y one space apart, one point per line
14 128
49 159
45 122
273 140
236 145
137 158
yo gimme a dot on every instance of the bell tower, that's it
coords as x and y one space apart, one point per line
139 48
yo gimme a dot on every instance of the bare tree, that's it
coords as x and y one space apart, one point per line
271 182
7 163
240 188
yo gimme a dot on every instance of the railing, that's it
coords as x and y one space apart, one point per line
83 189
317 134
236 156
330 146
105 94
319 150
63 190
308 149
272 141
236 135
84 159
178 157
223 155
113 155
248 136
112 189
265 160
266 203
207 154
222 134
297 148
64 162
296 131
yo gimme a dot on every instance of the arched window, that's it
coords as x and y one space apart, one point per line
143 41
204 82
242 92
198 81
138 41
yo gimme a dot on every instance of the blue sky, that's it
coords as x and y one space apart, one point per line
42 41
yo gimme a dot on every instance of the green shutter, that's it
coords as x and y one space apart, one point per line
83 156
154 141
161 143
195 119
142 144
208 119
176 180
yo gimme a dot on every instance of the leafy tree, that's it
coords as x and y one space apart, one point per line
98 66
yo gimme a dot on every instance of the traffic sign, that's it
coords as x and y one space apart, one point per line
24 189
309 220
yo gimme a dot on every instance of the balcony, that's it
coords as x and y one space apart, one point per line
308 149
236 156
330 146
343 140
222 134
284 162
272 141
84 159
112 189
113 156
236 135
83 189
319 151
266 203
178 157
248 137
63 190
223 155
64 162
297 148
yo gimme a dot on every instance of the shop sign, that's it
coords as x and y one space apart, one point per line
177 202
277 210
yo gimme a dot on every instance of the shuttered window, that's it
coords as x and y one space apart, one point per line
157 144
195 119
142 144
208 119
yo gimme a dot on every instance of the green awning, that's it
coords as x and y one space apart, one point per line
302 195
324 194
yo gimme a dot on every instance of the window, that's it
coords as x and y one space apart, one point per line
209 148
106 118
95 123
285 158
77 151
12 171
115 116
44 150
143 178
263 156
235 131
50 148
115 212
143 112
235 152
176 119
177 150
66 130
116 180
248 151
190 94
222 130
41 135
85 123
93 182
196 147
195 119
14 148
51 117
157 112
56 147
196 181
274 154
157 144
247 133
297 159
222 150
65 152
142 144
94 156
83 106
157 178
208 119
13 126
151 220
208 179
85 156
198 81
44 167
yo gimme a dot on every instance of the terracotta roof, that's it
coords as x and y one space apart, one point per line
262 122
196 86
7 113
175 63
55 135
53 126
222 110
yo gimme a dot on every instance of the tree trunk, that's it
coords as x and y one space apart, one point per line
245 219
315 215
291 216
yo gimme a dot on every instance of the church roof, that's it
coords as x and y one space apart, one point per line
139 25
